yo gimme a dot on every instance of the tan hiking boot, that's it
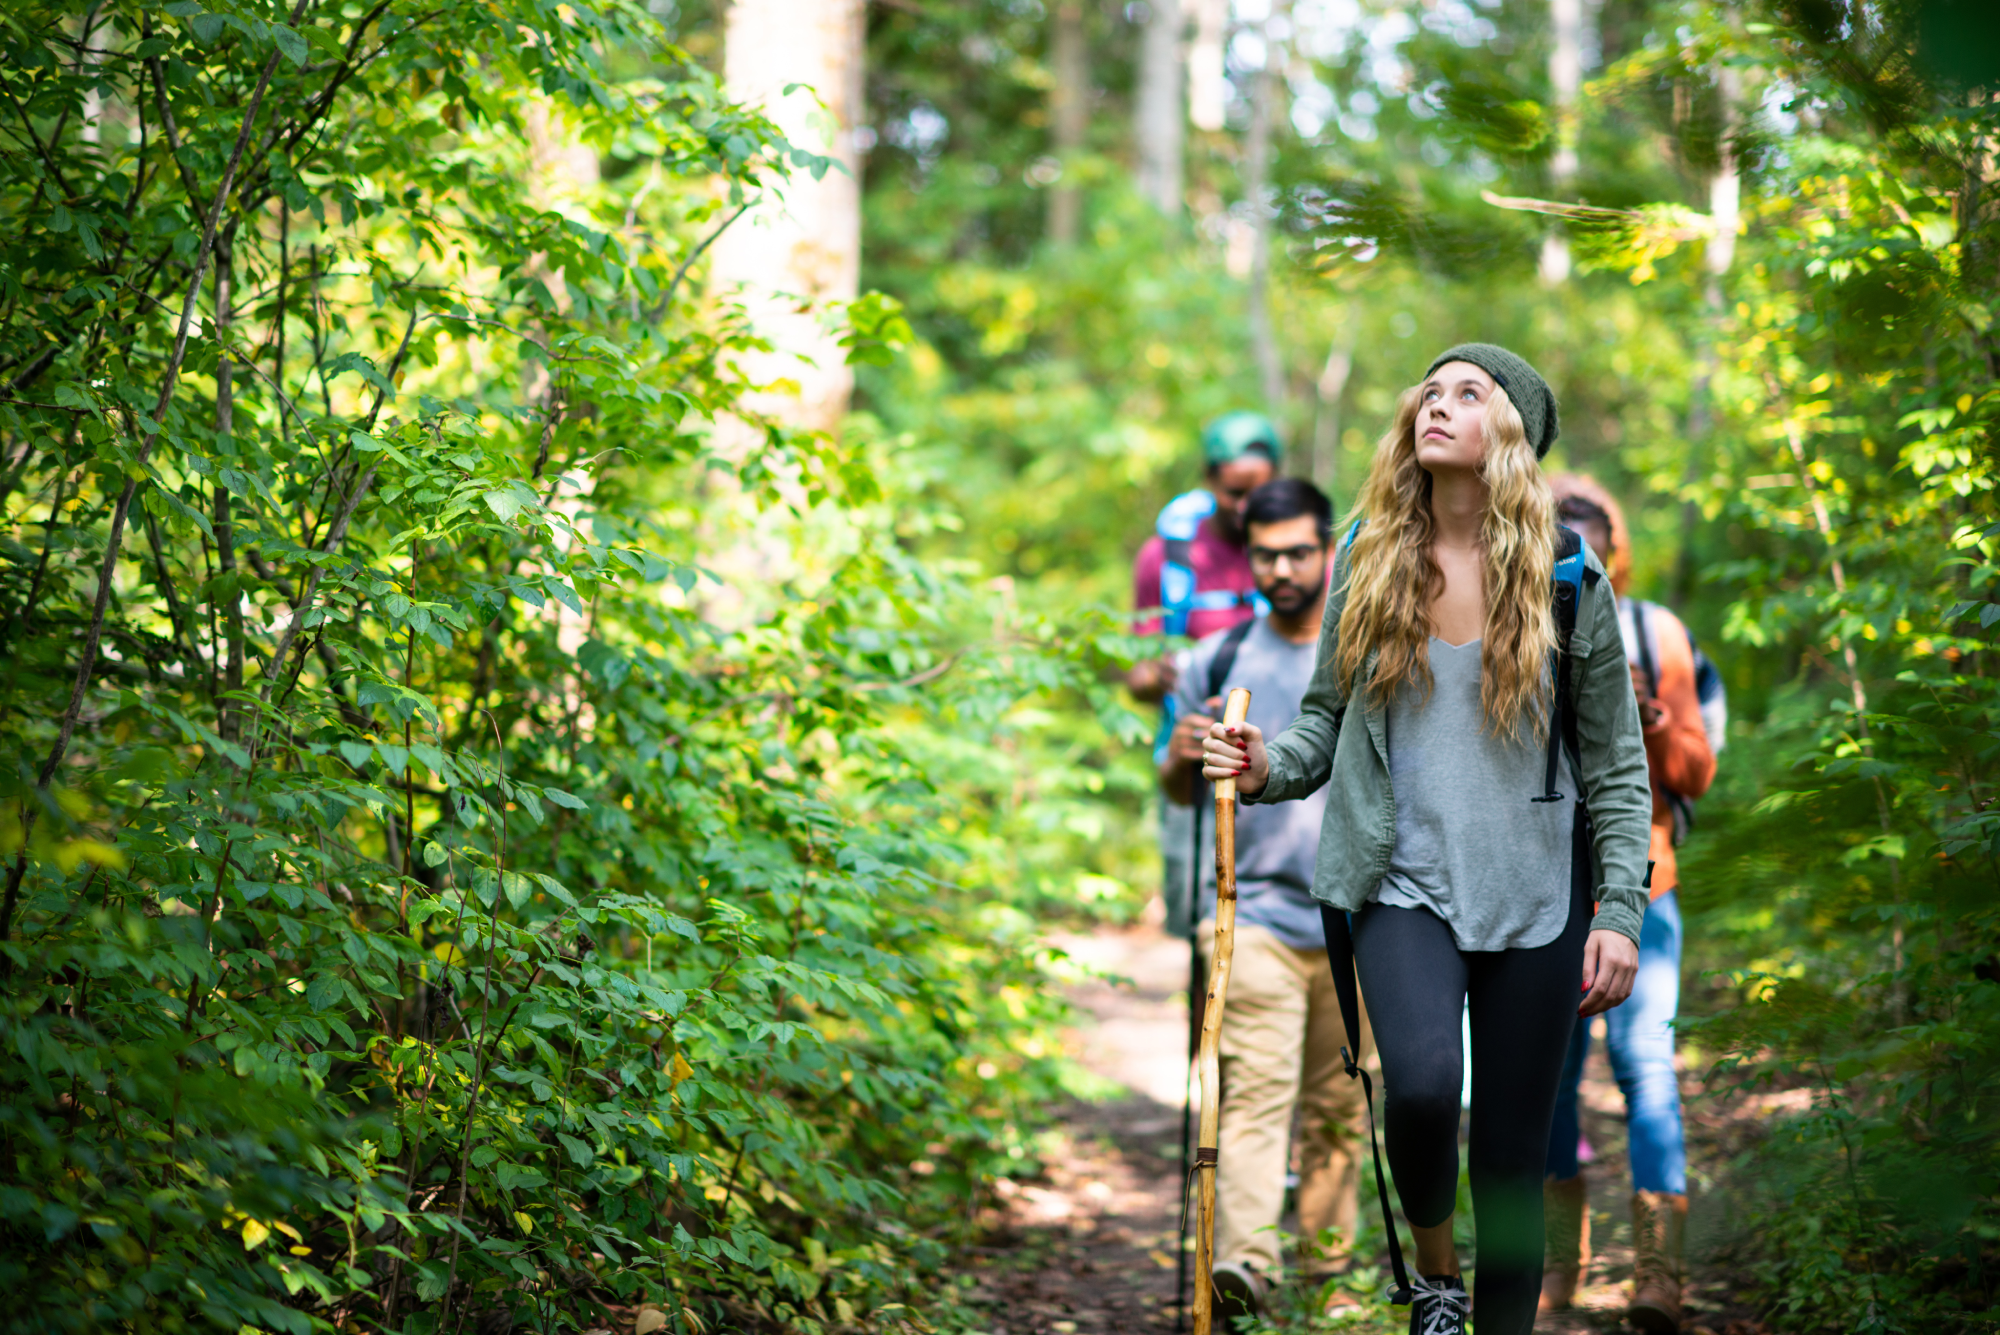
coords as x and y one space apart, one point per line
1566 1249
1659 1222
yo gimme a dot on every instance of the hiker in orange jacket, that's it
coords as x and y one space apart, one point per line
1638 1035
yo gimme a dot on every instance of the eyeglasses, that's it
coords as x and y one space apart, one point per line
1266 558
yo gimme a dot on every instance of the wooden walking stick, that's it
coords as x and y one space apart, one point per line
1210 1057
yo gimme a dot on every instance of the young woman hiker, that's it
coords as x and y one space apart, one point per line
1461 879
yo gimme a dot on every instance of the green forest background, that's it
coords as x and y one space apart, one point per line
434 899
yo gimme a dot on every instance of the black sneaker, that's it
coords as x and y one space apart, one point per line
1239 1293
1440 1306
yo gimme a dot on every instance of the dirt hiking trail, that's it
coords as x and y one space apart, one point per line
1088 1248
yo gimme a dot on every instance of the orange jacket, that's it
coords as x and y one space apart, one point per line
1677 749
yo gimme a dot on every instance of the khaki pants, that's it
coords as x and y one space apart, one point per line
1281 1041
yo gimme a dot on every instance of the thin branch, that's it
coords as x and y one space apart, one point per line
334 537
172 132
667 296
174 614
395 365
19 622
41 150
931 673
45 407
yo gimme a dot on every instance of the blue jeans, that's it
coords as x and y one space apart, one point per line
1640 1038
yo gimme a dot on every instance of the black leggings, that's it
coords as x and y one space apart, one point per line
1415 982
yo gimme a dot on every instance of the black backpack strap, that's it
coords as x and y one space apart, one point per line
1640 620
1568 594
1224 661
1340 958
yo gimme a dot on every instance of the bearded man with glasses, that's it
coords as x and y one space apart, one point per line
1282 1030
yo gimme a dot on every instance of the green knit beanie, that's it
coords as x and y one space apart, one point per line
1526 390
1232 435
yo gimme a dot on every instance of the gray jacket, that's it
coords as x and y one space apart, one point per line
1359 832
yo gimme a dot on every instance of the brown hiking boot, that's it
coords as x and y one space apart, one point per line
1566 1249
1659 1219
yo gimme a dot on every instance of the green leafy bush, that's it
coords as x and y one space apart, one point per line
433 899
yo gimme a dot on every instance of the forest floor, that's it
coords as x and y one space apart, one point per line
1088 1247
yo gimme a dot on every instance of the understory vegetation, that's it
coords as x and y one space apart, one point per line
485 847
434 899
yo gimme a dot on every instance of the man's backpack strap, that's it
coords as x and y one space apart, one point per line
1178 526
1571 571
1179 522
1340 957
1220 666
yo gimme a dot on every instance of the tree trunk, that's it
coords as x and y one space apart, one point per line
1069 117
1157 107
1565 80
1256 188
225 525
1208 84
804 247
1725 190
1332 387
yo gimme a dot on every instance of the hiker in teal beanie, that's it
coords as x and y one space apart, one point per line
1526 390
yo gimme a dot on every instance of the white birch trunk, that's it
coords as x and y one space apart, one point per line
1257 189
1069 117
1158 108
1725 188
1208 80
1566 80
802 247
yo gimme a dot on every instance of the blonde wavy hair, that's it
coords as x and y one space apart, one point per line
1392 580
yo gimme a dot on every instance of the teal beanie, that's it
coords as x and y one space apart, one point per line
1526 390
1232 435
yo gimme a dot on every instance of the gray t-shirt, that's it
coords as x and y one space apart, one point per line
1276 844
1472 844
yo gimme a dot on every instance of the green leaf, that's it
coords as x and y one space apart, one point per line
289 42
578 1151
356 753
505 503
516 1177
324 990
562 593
207 27
563 799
